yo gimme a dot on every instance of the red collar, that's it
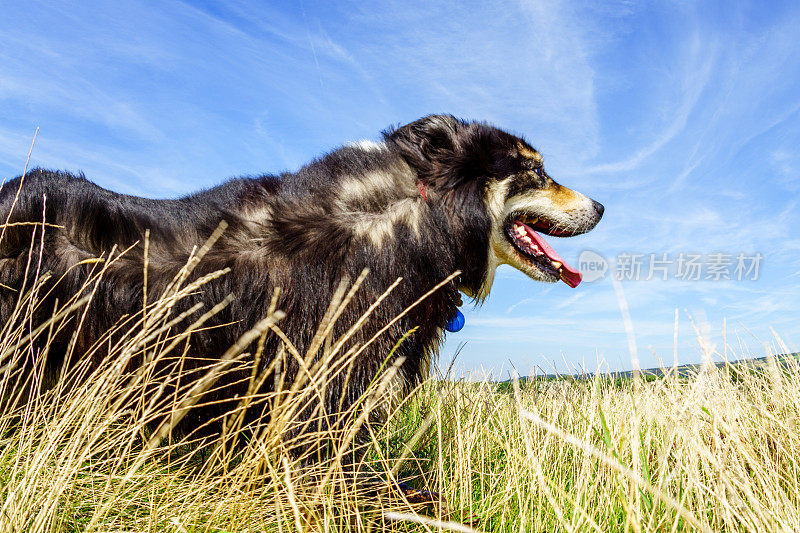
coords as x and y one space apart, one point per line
422 190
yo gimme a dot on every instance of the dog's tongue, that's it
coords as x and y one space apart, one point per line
569 274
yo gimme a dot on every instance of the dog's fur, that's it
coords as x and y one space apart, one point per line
433 197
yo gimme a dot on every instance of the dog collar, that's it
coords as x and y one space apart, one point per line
422 190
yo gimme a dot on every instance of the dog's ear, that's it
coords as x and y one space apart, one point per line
426 140
446 152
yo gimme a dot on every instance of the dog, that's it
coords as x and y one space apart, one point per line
434 197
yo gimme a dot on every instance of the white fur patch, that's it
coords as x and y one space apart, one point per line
381 226
378 202
367 145
374 186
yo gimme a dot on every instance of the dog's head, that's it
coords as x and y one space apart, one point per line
497 186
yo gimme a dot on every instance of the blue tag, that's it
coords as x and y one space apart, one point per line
456 323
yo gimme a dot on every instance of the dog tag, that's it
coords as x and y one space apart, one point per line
456 323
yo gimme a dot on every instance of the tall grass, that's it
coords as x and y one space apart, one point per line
716 451
97 448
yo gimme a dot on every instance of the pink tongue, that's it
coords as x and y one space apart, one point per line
569 274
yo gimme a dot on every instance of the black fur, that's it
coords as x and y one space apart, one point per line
292 231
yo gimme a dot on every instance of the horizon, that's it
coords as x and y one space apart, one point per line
683 120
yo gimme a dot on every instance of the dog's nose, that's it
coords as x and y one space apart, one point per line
598 207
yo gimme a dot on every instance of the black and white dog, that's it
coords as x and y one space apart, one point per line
435 196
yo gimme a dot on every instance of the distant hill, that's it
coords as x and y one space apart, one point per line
657 372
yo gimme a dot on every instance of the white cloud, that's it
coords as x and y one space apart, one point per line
697 66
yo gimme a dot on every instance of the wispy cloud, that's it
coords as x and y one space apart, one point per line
697 65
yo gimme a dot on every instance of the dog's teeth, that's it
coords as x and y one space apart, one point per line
520 231
557 265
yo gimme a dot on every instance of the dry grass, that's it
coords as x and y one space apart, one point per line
96 452
716 451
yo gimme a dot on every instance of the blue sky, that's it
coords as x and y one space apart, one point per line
683 118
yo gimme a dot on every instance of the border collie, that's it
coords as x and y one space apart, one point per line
434 197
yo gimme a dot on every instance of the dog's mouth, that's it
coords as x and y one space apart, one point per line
524 233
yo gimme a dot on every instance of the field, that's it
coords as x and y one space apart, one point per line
715 449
